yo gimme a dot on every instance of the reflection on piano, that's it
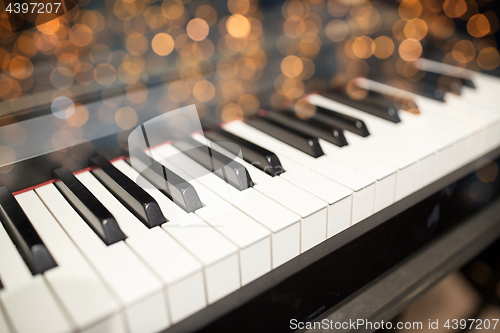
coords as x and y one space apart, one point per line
339 138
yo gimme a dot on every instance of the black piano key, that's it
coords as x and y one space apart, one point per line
444 82
309 126
336 119
23 234
172 185
261 158
428 90
128 192
1 285
90 209
378 107
225 168
297 139
468 82
406 103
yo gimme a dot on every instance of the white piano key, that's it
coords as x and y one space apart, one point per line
253 240
338 197
80 291
385 174
362 184
13 270
179 271
218 255
32 308
29 297
138 291
3 323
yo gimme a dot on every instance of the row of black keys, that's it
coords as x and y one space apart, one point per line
285 126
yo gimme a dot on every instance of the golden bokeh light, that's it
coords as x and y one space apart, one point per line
464 51
50 27
231 111
208 13
238 26
338 8
410 49
245 68
416 29
455 8
80 35
336 30
238 6
488 58
162 44
249 104
292 66
172 10
204 90
294 9
136 44
442 27
105 74
478 26
383 47
79 117
362 47
409 9
309 46
20 67
197 29
126 117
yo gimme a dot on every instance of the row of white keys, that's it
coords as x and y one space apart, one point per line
137 289
81 292
26 296
450 137
385 174
217 254
361 184
279 199
388 147
180 273
252 239
466 129
474 109
338 197
257 203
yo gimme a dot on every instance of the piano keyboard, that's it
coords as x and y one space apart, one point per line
94 251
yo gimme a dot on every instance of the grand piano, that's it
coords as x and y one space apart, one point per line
212 166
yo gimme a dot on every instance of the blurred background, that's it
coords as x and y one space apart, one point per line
230 57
